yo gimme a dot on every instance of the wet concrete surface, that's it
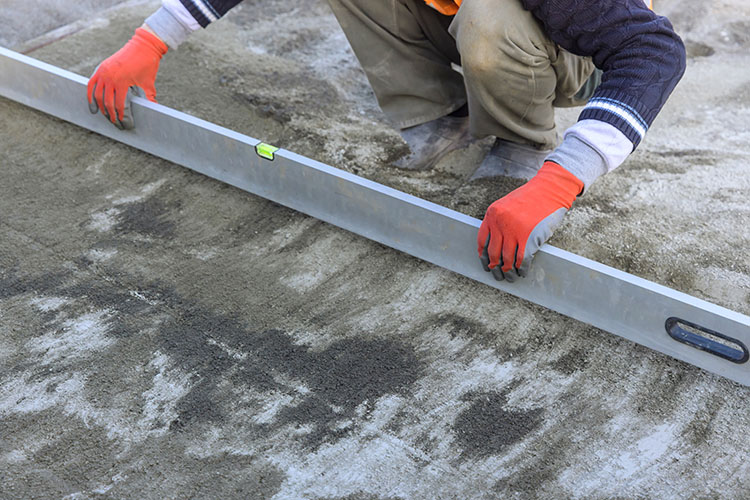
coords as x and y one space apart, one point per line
166 336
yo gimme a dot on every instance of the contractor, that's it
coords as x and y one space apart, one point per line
448 72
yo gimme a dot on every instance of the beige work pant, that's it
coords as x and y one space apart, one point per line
513 74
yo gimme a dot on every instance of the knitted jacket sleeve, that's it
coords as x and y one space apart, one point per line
640 54
207 11
177 19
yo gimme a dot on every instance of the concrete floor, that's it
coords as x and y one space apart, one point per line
166 336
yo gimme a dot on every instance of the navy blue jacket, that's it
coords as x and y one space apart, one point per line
640 54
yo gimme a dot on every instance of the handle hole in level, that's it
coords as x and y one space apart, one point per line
707 340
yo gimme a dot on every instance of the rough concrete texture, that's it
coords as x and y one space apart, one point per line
166 336
27 19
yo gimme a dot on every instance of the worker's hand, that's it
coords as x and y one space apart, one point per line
134 65
516 225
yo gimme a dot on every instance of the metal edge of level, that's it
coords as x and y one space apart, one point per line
614 301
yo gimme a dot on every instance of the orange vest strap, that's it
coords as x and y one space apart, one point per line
447 7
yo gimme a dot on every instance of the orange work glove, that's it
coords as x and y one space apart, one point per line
134 65
516 225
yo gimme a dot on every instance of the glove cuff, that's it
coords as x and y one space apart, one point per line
560 184
150 40
170 27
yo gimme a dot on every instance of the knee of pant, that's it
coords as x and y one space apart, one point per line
479 55
490 41
490 53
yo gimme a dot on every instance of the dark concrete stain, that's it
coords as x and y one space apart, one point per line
399 421
302 242
12 285
659 395
260 224
698 49
697 157
267 108
278 112
461 326
318 414
202 404
701 426
355 370
487 427
427 442
302 40
83 262
392 151
340 377
343 376
148 217
255 223
674 161
571 362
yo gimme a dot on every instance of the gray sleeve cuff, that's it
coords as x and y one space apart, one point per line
579 159
168 27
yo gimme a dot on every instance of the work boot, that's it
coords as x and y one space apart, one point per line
510 159
431 141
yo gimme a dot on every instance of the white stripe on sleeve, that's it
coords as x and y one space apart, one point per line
181 14
205 10
621 112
